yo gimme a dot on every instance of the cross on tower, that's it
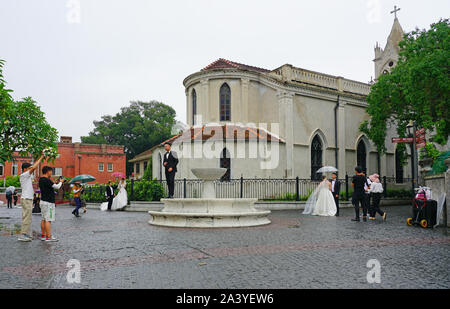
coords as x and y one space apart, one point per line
395 11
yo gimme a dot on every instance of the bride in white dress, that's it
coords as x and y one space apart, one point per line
120 200
321 201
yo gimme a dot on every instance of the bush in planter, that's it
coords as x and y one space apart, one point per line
147 190
399 193
94 194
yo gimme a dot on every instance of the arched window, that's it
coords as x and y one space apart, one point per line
398 168
361 156
194 106
225 162
316 157
225 103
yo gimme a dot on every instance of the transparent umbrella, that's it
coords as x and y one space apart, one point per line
327 169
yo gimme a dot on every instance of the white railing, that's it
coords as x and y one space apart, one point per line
324 80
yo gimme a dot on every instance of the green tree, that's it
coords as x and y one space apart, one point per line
23 127
417 88
148 173
138 127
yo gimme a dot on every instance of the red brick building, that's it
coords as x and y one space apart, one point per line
74 159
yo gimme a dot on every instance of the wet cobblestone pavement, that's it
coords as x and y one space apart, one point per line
121 250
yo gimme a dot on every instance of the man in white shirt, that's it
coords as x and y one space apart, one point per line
26 201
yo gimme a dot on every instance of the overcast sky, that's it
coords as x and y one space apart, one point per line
80 64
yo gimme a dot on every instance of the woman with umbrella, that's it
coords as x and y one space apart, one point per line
9 195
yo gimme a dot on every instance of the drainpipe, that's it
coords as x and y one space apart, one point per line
79 164
336 132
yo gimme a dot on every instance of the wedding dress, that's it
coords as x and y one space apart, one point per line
321 201
119 201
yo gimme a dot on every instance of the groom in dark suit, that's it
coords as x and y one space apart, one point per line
170 164
109 194
336 189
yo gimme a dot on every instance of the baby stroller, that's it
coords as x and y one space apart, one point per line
424 209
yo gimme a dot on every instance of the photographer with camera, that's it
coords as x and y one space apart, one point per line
47 204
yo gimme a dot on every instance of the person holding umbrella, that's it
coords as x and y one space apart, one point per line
76 191
9 193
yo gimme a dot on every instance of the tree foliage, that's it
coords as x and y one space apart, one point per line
148 173
417 88
138 127
23 127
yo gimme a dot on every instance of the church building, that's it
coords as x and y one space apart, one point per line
306 119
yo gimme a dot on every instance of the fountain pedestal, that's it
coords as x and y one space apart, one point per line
209 211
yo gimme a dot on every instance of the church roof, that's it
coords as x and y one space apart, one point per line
220 132
396 34
227 64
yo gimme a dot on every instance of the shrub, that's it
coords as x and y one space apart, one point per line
12 181
147 190
95 194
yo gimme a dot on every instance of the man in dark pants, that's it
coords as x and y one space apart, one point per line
359 180
170 164
9 198
335 189
109 194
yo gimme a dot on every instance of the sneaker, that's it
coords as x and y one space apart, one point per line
51 239
356 220
43 237
24 237
371 218
365 219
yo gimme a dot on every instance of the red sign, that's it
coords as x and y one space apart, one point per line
420 139
420 132
402 140
420 145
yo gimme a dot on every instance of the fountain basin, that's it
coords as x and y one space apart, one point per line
209 174
209 213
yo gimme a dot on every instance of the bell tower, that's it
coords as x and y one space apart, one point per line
387 58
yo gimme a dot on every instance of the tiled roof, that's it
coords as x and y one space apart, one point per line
221 132
227 64
142 156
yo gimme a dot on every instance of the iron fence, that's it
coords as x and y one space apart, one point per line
293 189
268 188
259 188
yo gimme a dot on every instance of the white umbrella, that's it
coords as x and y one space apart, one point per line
10 188
327 169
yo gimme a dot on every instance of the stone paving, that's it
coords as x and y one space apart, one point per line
121 250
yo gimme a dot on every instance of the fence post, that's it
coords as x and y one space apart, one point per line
346 187
131 190
242 187
385 186
297 189
184 187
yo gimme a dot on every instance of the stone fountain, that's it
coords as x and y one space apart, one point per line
209 211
